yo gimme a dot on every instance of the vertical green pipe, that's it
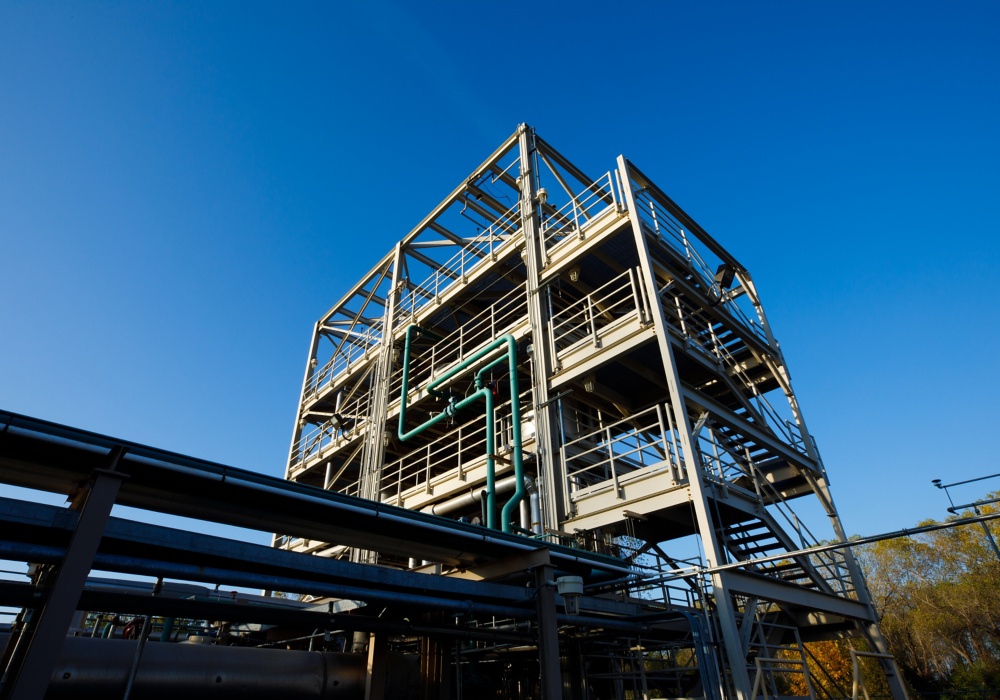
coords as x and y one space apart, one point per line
481 393
515 418
168 628
491 450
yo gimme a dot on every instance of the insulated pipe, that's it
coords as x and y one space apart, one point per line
111 562
346 507
467 499
191 572
535 499
561 556
97 668
528 507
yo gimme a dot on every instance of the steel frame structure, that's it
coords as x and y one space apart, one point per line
656 406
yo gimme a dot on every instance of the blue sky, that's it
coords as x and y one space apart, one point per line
186 187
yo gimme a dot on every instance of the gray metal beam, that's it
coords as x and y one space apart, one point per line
797 596
548 634
31 677
699 497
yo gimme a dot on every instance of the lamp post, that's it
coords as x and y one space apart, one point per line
974 505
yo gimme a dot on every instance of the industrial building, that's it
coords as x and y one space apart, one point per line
548 447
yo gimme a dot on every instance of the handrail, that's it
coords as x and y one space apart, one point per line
828 564
479 248
666 228
693 325
556 226
345 354
647 435
596 312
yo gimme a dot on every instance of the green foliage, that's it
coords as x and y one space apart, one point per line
937 596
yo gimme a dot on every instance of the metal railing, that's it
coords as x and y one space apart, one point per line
657 580
348 352
722 466
591 318
354 416
571 219
450 454
501 317
608 455
830 565
478 249
661 223
416 470
706 336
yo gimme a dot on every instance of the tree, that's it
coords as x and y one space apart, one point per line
936 595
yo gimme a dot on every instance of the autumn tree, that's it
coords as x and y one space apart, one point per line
937 597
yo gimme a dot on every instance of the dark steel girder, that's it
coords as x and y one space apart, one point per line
33 524
47 456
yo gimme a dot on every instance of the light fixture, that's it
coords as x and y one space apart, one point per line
570 588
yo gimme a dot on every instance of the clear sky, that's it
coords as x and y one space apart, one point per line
186 187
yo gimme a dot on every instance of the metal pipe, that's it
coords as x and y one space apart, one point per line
535 500
98 668
147 623
106 562
190 572
346 507
467 499
481 393
561 556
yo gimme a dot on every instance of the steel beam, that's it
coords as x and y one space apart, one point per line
548 633
699 494
31 677
41 455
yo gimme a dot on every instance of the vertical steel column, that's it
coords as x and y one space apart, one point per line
297 428
547 451
310 368
699 495
374 446
31 679
548 634
378 666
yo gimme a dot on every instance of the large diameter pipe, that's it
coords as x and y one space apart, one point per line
99 668
193 572
467 499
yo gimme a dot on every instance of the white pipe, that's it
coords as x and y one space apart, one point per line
536 511
467 499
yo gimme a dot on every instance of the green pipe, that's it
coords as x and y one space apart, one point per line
481 393
515 419
410 332
168 628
